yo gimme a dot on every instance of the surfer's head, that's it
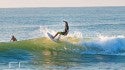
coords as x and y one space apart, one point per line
12 36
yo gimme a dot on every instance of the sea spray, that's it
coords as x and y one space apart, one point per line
105 45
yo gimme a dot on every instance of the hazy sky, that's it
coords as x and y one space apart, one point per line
60 3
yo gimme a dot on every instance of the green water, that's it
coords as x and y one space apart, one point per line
44 54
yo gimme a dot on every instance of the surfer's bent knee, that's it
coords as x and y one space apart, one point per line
58 32
61 33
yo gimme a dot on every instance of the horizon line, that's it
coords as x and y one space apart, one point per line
63 7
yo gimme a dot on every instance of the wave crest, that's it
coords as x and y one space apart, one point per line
105 45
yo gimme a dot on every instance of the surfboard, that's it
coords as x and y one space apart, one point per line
51 37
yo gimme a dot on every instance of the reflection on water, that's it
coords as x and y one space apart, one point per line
74 61
58 60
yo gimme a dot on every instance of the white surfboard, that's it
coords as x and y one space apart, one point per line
51 37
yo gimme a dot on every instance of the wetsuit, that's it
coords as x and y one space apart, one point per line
66 29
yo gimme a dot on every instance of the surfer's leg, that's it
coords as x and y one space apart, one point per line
57 34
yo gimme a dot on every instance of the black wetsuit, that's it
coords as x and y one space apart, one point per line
66 30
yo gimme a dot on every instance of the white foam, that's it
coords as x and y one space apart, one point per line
106 45
75 34
100 45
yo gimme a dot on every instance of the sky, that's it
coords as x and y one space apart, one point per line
59 3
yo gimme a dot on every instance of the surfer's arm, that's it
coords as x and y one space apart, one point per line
65 21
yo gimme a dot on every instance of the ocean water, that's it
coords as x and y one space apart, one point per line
103 26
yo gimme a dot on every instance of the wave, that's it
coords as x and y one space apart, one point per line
15 55
109 45
74 42
105 45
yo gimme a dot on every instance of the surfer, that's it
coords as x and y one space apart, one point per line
65 32
13 38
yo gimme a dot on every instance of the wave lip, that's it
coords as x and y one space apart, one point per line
105 45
